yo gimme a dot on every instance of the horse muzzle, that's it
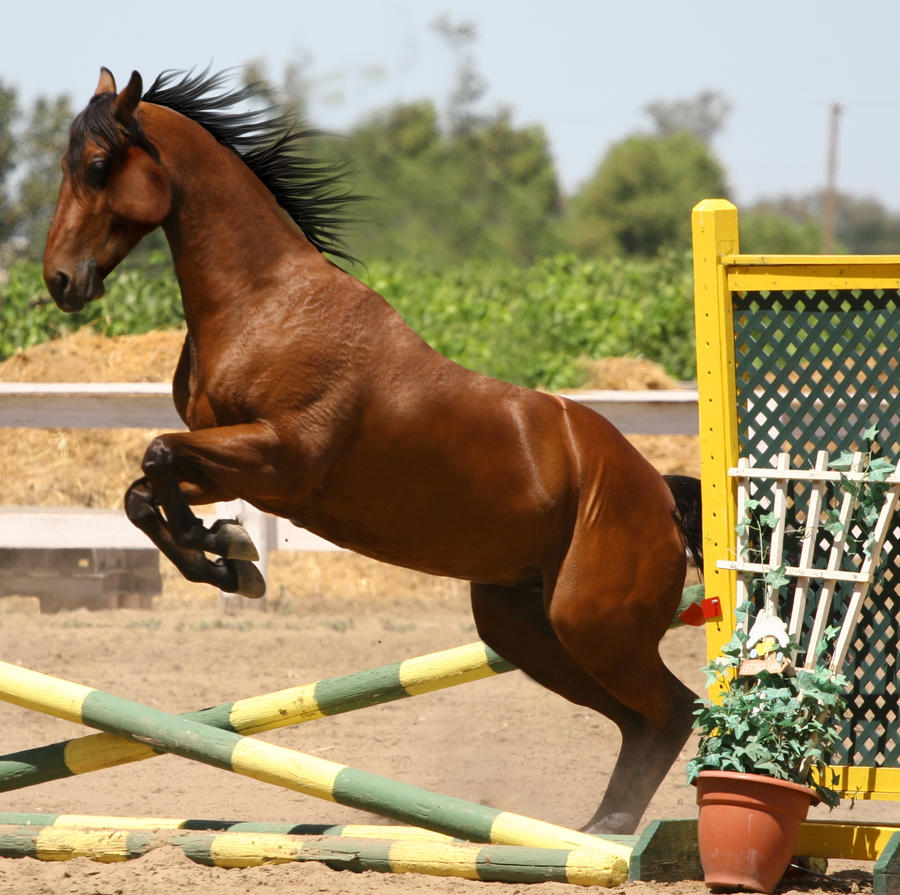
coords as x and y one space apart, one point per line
72 293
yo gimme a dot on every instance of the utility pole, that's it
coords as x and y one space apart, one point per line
830 198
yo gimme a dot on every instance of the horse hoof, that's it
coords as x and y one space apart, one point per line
230 540
250 582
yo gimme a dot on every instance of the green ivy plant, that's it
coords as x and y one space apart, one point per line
782 725
868 492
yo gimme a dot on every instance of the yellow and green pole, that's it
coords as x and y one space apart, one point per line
493 863
294 705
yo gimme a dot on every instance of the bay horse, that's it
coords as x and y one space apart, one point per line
306 394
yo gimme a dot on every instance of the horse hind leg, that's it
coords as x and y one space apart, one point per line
515 623
610 611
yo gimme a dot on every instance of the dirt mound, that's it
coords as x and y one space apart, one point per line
625 373
87 356
82 467
70 467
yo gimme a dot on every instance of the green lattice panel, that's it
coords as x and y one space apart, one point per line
814 370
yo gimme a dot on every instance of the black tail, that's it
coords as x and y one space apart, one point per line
686 491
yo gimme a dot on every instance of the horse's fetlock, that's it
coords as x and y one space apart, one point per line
191 536
139 507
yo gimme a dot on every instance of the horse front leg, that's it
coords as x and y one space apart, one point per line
204 466
230 575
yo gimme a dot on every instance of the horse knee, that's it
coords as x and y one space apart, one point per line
621 653
158 458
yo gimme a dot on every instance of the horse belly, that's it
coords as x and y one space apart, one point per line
447 528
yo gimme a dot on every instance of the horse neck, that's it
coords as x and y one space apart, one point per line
227 234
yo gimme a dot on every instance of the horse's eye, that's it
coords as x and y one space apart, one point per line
97 173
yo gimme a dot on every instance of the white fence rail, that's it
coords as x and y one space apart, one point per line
148 405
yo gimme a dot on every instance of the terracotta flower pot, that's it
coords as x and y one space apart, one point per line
747 828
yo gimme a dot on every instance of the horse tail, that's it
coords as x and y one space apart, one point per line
687 513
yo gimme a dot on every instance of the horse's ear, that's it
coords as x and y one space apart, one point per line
127 101
107 83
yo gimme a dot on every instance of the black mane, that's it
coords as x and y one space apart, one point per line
265 136
269 141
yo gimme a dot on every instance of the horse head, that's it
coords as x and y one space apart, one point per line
114 191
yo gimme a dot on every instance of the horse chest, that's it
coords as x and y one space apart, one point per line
197 412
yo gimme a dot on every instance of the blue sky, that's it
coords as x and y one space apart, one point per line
584 70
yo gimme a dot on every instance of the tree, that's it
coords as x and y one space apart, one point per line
863 226
763 230
639 200
470 85
40 150
8 114
703 116
489 191
472 186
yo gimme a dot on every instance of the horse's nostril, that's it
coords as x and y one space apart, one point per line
58 285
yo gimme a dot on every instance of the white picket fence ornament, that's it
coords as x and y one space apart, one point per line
769 631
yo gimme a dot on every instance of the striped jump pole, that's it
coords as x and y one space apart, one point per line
119 822
353 831
294 770
495 863
295 705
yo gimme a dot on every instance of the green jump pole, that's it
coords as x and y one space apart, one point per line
295 705
294 770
